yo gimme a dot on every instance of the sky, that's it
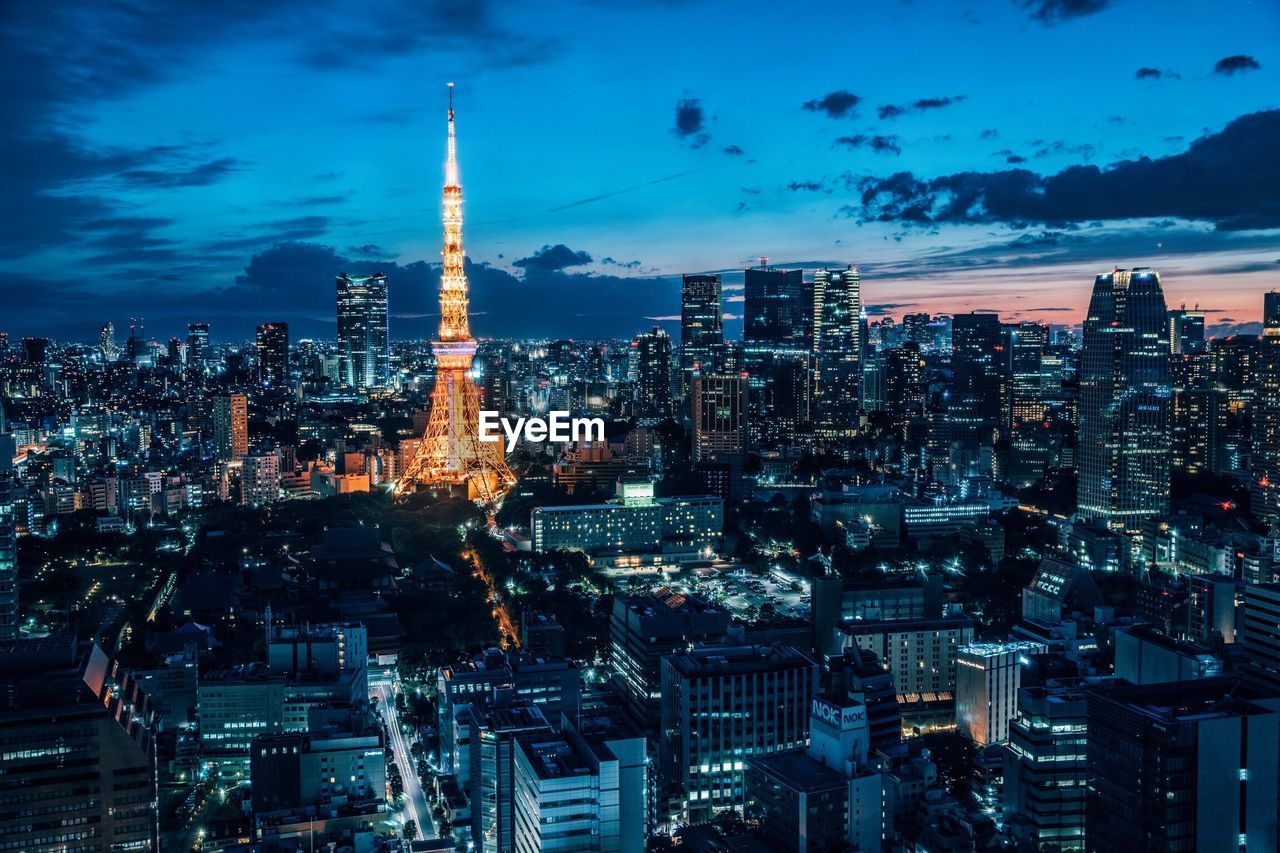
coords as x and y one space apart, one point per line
188 161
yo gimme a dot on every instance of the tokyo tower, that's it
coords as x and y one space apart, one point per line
451 452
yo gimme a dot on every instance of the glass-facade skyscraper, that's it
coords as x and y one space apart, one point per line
364 356
974 408
273 353
1124 448
701 327
837 347
777 339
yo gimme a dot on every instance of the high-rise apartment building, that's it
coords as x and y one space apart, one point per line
837 349
273 354
1124 448
1265 434
701 327
364 357
230 427
719 417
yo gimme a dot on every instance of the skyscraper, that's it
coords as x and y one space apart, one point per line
8 560
1181 766
987 679
837 347
974 407
107 345
273 354
777 343
1024 345
364 360
701 327
1186 331
1124 447
197 344
451 452
653 372
1265 479
230 426
719 417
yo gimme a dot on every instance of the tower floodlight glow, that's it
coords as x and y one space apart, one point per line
451 452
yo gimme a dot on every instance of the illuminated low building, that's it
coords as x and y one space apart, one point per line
987 679
635 529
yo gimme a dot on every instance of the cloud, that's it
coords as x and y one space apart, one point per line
1237 64
630 265
891 111
879 144
733 151
837 104
807 186
1149 73
1053 12
690 119
1227 178
553 258
195 176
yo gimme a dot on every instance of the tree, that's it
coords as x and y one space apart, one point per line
410 830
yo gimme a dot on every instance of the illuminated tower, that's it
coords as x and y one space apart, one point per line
451 452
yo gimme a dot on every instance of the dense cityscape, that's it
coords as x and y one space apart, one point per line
792 565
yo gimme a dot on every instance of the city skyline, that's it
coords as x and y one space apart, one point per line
129 194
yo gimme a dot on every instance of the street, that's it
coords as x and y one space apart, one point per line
416 807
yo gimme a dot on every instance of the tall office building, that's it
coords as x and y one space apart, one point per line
987 679
1260 634
777 344
719 417
197 344
1024 345
230 426
1186 331
1045 767
1265 458
701 327
8 559
1123 447
79 762
720 706
902 388
645 629
273 354
653 372
1182 766
364 357
837 348
107 346
973 410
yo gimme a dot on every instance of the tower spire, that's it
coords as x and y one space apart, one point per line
451 165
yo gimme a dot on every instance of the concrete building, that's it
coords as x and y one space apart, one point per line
1146 656
1045 772
921 653
720 706
1206 755
987 679
636 529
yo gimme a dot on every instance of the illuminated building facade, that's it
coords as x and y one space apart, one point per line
701 327
720 706
364 357
988 676
653 372
197 344
837 349
230 427
8 560
273 354
719 417
636 529
1124 447
973 410
1045 767
451 453
1265 476
777 343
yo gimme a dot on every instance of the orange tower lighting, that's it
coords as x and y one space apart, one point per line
451 452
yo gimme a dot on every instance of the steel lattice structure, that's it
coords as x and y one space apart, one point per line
451 452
